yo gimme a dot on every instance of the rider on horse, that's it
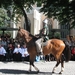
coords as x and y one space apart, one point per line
45 33
43 38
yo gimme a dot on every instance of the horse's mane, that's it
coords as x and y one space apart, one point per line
33 36
29 34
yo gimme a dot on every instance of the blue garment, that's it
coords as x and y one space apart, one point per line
37 58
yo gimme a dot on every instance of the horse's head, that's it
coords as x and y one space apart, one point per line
23 34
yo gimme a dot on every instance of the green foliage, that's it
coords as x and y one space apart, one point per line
3 17
57 35
50 35
19 7
0 33
63 10
5 3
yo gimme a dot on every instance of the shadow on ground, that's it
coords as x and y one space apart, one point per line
13 71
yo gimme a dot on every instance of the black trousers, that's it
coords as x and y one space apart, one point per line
17 57
25 58
2 57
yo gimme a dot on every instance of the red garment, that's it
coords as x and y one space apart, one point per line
73 51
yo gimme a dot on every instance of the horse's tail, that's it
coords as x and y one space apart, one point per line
67 53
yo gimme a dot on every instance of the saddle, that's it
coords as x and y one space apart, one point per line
44 43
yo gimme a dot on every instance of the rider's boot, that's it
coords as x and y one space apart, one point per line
39 52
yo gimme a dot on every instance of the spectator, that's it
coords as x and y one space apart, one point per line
17 53
2 53
10 49
68 42
25 54
4 43
73 53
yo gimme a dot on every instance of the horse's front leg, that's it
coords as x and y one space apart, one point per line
35 68
32 64
58 62
29 69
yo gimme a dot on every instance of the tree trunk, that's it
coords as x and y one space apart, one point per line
24 13
26 19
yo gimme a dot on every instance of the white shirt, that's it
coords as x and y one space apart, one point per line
24 52
17 50
2 51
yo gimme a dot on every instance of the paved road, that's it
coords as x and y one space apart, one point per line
21 68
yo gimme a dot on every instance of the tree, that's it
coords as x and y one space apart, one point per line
19 7
62 10
25 5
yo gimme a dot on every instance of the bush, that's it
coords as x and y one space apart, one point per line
57 35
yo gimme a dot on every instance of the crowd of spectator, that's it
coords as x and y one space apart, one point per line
70 40
10 50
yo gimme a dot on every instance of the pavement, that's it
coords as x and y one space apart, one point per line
21 68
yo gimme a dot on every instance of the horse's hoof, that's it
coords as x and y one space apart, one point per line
60 72
53 72
38 71
29 71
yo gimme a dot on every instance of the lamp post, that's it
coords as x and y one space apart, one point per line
3 29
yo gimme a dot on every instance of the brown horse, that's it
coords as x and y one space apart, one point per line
55 47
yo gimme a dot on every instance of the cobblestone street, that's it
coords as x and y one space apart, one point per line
21 68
